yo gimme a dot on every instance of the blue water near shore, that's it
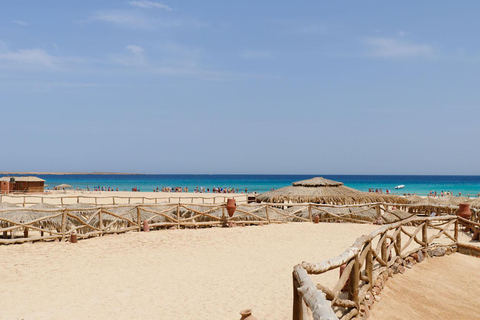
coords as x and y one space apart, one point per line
263 183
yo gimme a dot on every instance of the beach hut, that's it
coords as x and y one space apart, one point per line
321 190
21 184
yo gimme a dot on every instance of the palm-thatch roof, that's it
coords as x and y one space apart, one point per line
321 190
63 186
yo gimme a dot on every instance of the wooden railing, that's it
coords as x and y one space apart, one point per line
42 222
367 264
26 200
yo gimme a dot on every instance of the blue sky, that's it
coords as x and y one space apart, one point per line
332 87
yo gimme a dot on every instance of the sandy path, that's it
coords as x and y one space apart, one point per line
173 274
440 288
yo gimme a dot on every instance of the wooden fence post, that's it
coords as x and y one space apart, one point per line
266 212
100 222
425 234
384 249
456 230
399 241
139 220
354 282
369 265
378 211
64 223
297 300
178 215
310 212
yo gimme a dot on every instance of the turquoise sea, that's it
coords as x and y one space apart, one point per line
262 183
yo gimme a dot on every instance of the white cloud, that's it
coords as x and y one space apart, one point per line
20 23
135 57
255 54
150 4
401 33
122 18
31 57
135 49
136 19
392 48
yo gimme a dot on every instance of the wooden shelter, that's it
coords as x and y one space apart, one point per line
321 190
21 184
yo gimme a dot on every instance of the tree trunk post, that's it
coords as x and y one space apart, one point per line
178 215
369 265
64 223
297 300
139 220
425 234
456 230
354 280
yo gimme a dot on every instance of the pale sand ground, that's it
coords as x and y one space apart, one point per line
440 288
173 274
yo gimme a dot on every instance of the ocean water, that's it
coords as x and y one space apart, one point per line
421 185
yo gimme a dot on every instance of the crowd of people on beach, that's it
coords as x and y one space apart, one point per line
432 193
378 191
201 190
176 189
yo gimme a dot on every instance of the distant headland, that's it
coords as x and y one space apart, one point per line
65 173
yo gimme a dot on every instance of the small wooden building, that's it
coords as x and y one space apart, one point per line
21 184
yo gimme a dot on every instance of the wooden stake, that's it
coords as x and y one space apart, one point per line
456 230
139 220
178 215
354 280
425 234
64 223
297 300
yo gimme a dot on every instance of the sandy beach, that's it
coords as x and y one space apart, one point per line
426 292
173 274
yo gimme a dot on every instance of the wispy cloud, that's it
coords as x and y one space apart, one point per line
140 20
255 54
304 27
150 4
30 57
125 18
134 57
20 23
393 48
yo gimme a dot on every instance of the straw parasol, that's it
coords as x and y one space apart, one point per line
321 190
63 186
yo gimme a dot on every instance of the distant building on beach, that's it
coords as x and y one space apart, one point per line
21 184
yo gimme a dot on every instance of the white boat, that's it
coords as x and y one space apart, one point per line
400 186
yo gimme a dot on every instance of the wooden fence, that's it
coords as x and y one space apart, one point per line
46 222
26 200
367 264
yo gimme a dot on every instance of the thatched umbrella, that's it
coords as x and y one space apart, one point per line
63 186
321 190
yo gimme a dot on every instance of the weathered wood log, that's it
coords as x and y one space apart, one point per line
314 298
